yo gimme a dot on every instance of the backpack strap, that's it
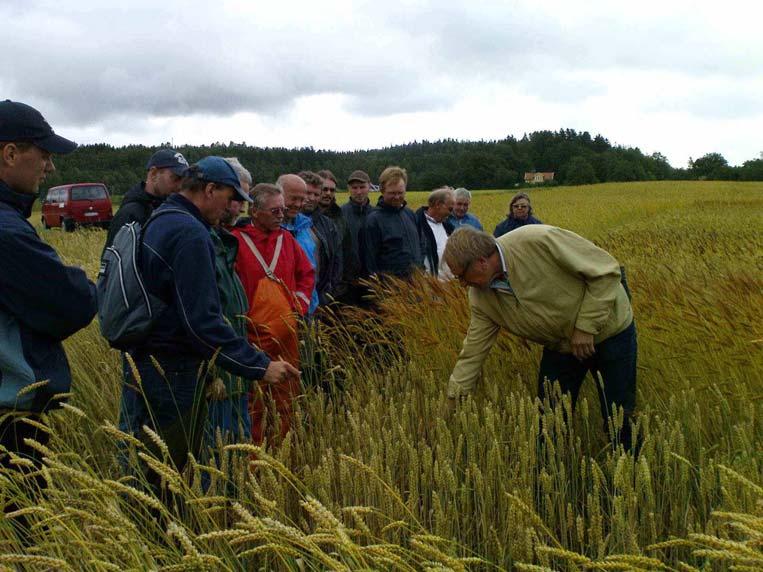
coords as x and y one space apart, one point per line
269 269
154 215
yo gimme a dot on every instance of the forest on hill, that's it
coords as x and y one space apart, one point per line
575 157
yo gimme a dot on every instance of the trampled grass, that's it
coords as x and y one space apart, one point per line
375 478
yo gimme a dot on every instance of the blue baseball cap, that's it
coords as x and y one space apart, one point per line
23 123
168 159
217 170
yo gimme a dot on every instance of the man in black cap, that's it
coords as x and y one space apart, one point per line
42 301
165 171
355 212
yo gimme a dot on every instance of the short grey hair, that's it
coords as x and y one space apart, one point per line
462 193
439 196
241 171
466 245
262 192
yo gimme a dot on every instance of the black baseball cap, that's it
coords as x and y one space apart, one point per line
168 159
23 123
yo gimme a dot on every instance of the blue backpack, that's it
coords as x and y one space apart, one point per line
126 309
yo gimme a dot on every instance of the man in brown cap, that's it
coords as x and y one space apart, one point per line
355 212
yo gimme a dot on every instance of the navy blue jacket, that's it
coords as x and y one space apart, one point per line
355 215
178 266
329 257
511 223
350 261
42 302
392 242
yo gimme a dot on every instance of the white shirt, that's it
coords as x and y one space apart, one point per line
441 237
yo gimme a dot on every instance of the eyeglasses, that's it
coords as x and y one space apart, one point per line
277 211
519 207
332 189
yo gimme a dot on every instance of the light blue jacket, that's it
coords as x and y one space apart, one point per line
301 229
468 218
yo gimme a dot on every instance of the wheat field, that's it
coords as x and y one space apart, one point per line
373 477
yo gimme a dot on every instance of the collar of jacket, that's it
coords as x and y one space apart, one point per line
300 222
139 194
385 207
177 200
225 244
360 209
19 201
333 210
423 214
463 219
502 282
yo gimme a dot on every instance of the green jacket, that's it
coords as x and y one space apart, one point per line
232 297
558 281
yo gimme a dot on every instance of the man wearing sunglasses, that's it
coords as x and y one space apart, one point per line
269 255
555 288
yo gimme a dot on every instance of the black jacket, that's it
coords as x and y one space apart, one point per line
510 223
428 241
391 241
137 205
355 216
350 262
329 257
42 302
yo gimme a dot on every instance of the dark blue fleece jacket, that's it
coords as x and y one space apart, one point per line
42 302
178 265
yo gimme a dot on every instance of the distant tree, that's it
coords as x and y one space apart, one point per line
752 170
621 170
601 144
711 166
579 171
657 165
472 164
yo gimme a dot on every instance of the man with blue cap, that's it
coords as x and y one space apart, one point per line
164 172
178 265
42 301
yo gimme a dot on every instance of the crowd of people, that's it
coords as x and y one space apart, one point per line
241 267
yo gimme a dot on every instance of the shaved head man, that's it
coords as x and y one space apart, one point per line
300 226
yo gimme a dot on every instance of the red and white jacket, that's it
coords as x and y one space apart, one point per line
293 267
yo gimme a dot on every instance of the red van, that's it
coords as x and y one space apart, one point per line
68 206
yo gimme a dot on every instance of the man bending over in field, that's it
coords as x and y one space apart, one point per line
555 288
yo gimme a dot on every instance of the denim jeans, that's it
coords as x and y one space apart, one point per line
614 359
170 402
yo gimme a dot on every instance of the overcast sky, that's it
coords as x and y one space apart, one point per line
681 77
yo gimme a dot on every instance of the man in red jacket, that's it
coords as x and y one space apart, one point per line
278 279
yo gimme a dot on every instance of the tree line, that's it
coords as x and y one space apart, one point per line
575 157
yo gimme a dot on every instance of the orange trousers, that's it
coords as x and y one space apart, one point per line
268 401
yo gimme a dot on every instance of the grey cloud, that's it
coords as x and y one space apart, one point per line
208 64
95 61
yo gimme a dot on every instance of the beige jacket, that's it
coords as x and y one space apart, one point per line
560 281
